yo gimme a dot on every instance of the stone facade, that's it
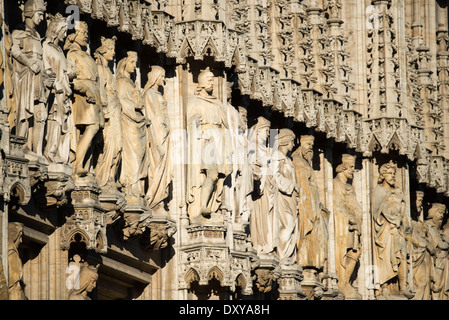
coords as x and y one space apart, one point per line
280 149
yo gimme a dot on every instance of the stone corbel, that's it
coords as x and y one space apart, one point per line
266 274
86 221
157 233
56 187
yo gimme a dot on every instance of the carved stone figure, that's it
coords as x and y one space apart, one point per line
286 199
87 281
15 270
29 78
390 228
243 175
209 149
110 157
57 147
422 252
160 172
347 222
87 108
312 221
440 241
263 220
135 151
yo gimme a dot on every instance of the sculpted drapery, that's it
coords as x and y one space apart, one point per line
264 223
312 221
87 107
209 149
390 226
347 223
160 171
110 153
134 125
286 205
59 124
29 79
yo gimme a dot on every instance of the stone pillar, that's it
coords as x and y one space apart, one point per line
290 283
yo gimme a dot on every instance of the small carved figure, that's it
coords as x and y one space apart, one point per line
135 150
390 229
87 106
86 283
57 147
209 149
347 222
15 270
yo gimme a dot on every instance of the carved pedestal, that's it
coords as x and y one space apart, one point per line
56 187
113 203
137 218
86 221
207 256
311 284
290 283
158 232
266 273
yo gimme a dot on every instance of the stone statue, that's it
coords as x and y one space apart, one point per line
209 149
422 252
440 241
264 223
390 228
57 147
87 106
347 222
15 270
29 78
286 199
135 148
87 281
313 218
110 157
243 176
160 172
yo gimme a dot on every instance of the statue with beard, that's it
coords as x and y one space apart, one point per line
313 217
390 229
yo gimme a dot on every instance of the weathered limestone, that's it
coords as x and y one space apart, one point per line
216 149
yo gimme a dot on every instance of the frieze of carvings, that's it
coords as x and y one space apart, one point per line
158 31
385 134
349 128
291 97
199 39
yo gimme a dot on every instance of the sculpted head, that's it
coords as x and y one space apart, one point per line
57 28
206 81
81 33
156 77
387 174
436 213
306 147
107 48
127 65
347 166
286 139
15 231
34 10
